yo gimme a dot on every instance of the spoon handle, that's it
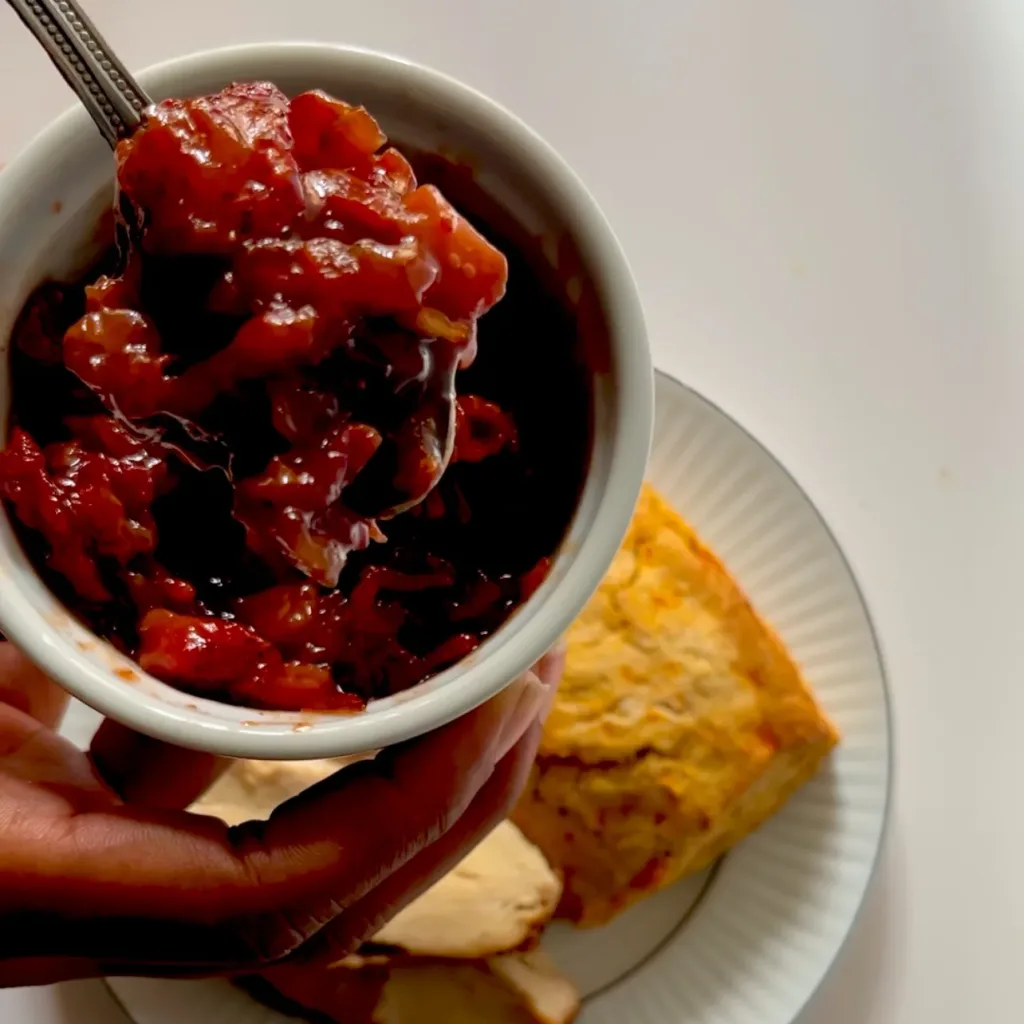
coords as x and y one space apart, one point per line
88 65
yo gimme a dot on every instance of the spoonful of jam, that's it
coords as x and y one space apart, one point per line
298 225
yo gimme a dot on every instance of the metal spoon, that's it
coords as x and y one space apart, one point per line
427 434
116 103
82 56
437 420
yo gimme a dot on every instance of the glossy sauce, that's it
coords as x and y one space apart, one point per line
204 438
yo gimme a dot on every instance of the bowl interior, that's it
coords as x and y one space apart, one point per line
51 199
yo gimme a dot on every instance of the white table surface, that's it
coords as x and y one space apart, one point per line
823 206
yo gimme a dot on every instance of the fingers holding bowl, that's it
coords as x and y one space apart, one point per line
154 891
25 687
149 772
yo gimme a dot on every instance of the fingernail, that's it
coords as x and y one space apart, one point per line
550 668
531 698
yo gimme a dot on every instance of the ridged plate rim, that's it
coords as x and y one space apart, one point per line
691 922
691 925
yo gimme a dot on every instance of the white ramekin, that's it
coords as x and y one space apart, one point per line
51 196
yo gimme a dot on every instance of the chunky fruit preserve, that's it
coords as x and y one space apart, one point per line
228 449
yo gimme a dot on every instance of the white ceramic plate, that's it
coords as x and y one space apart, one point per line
749 943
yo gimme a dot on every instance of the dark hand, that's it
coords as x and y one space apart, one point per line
101 872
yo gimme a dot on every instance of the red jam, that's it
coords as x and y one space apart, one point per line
209 440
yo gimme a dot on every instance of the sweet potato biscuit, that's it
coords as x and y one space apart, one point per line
681 724
497 899
460 952
467 994
517 988
549 996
